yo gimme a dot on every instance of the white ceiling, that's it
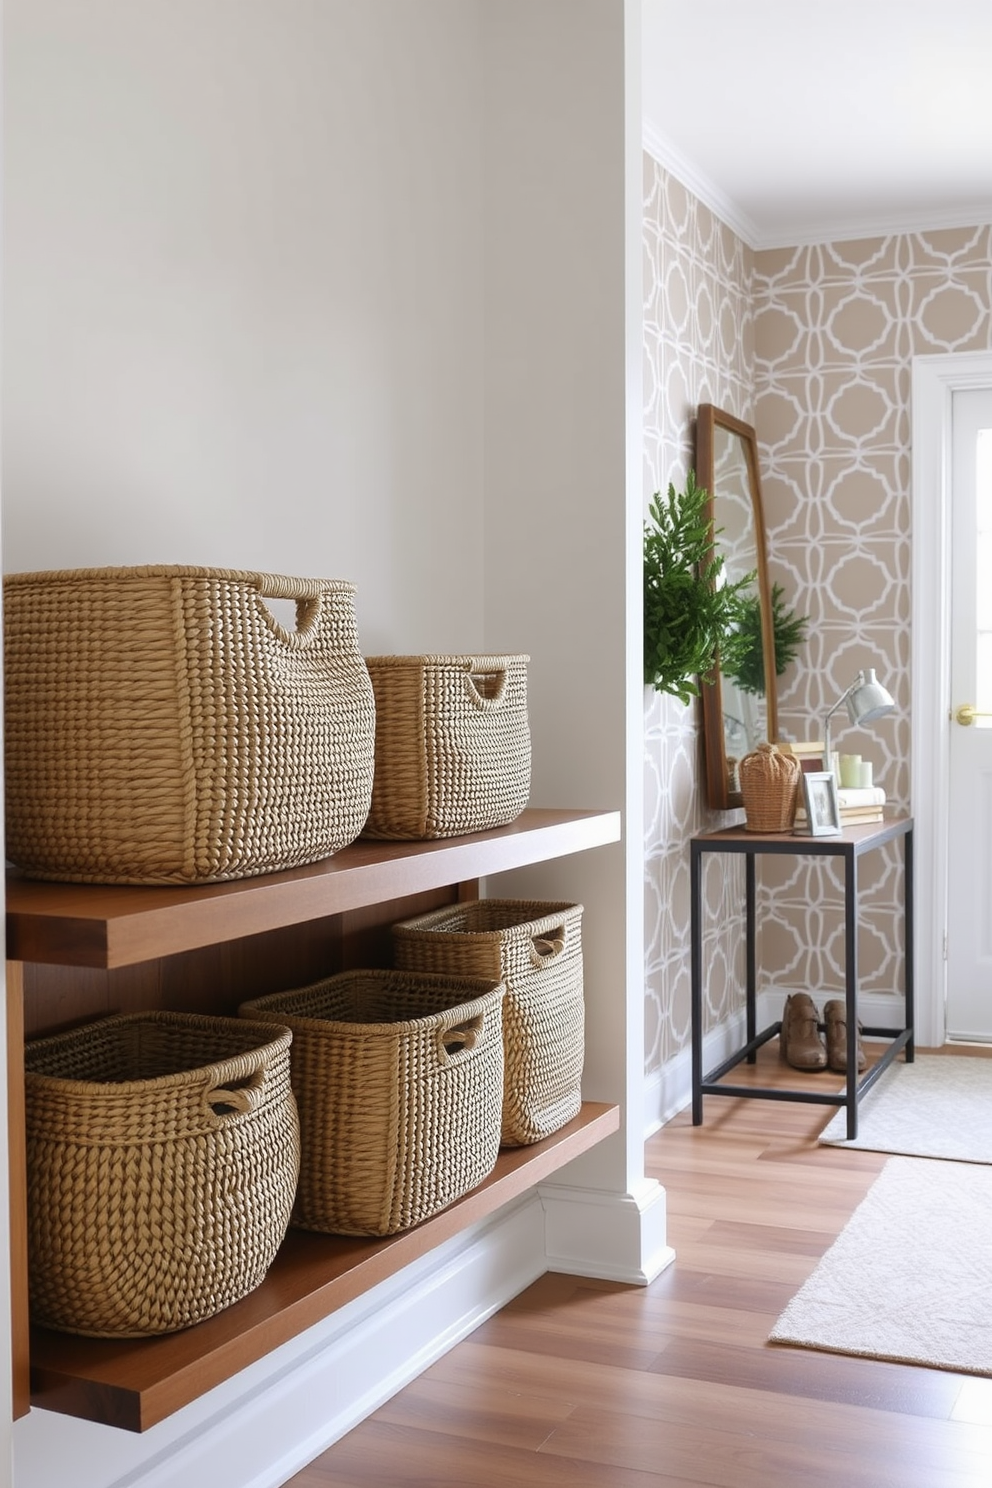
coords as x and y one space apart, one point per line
806 120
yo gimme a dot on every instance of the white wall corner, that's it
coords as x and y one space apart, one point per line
612 1236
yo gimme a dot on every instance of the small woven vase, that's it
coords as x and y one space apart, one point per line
770 786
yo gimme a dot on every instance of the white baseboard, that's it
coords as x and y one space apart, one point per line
267 1423
260 1428
617 1237
669 1090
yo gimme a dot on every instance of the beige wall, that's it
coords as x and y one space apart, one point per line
821 365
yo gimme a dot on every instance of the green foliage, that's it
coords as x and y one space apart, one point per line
690 612
746 666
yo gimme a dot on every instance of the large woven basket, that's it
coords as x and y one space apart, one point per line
162 726
452 745
163 1155
536 950
769 787
398 1079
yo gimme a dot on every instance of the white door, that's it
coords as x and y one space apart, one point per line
969 872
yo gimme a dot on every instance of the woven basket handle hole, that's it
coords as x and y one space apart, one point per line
237 1098
546 947
462 1038
487 688
292 616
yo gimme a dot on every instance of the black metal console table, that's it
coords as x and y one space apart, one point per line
849 845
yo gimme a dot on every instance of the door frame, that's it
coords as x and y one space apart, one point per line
935 380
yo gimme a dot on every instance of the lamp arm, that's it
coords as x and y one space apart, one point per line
826 722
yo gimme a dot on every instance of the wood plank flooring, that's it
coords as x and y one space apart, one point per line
586 1384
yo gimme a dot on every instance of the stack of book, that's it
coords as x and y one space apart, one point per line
855 806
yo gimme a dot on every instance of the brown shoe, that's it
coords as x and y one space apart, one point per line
835 1018
800 1039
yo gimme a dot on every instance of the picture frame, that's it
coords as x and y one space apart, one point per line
821 803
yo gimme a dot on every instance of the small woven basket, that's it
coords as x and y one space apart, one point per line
162 726
452 745
536 950
398 1080
769 786
163 1155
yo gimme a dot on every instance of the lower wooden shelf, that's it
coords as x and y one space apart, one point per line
134 1383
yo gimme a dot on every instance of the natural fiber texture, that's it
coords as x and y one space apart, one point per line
536 949
398 1080
163 727
452 746
163 1154
934 1107
769 787
910 1276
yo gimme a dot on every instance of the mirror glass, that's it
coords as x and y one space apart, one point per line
739 711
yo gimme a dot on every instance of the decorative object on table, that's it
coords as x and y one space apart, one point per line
821 811
535 949
769 785
162 726
855 807
801 1043
452 745
690 611
867 701
398 1077
162 1156
789 631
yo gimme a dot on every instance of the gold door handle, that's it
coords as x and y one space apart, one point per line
967 713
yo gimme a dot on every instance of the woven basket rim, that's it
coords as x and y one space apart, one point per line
255 578
488 992
463 661
272 1037
433 922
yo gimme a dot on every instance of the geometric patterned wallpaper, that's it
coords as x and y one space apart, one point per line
836 328
813 346
698 348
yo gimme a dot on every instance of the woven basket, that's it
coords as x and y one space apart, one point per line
163 727
397 1078
452 744
536 950
163 1154
769 786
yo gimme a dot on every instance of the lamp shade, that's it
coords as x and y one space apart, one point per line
868 699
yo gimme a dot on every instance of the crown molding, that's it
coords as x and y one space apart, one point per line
833 230
664 152
839 230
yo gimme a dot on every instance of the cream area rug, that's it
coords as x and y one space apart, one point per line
935 1107
910 1277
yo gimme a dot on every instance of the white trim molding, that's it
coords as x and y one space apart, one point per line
935 380
615 1236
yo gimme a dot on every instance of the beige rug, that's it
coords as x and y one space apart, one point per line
939 1106
910 1276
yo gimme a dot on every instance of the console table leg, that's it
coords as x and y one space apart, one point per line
696 979
851 988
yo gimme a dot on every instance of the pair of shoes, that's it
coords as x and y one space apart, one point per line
835 1022
800 1042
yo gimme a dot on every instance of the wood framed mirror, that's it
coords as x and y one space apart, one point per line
738 712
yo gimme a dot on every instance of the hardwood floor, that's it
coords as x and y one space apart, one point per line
586 1384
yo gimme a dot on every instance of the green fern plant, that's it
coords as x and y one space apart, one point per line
691 614
746 665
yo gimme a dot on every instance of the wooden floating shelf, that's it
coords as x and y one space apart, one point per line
122 925
135 1383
